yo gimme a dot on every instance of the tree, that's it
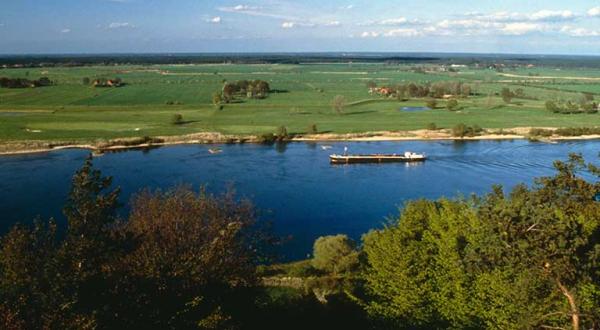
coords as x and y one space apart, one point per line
452 104
181 260
217 99
507 95
281 133
312 129
334 254
338 104
431 103
195 258
552 106
524 260
177 119
85 81
228 91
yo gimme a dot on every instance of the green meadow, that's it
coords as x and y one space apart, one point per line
70 110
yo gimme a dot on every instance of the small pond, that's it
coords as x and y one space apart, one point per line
414 109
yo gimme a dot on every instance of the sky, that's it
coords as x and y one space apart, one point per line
172 26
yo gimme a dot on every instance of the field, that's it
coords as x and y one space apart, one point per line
72 111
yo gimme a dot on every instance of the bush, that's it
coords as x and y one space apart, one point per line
334 254
431 103
267 138
432 127
540 132
461 130
177 119
282 133
452 104
312 129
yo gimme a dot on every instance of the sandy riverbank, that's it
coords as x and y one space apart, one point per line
100 146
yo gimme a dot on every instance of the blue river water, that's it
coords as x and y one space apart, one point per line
293 184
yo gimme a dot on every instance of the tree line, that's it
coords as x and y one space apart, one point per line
437 89
24 83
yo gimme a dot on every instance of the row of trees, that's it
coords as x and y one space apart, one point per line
24 83
435 90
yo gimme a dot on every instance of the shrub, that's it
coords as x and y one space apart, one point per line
334 254
432 127
461 130
267 138
312 129
431 103
281 133
177 119
540 132
452 104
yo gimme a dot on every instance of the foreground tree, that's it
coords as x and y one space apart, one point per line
527 260
195 258
182 260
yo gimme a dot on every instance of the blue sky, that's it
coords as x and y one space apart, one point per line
484 26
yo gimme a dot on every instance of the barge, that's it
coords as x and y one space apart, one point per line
377 158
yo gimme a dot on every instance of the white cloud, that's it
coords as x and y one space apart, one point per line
255 11
594 12
402 33
66 30
291 25
117 25
469 24
288 25
553 16
579 32
521 28
348 7
333 23
215 20
369 34
392 22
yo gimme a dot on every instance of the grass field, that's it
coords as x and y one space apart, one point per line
71 111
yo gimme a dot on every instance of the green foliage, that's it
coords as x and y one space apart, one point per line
177 119
541 132
524 260
181 260
452 104
461 130
507 95
282 133
334 254
312 129
432 127
431 103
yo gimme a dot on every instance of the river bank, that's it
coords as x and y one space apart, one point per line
101 146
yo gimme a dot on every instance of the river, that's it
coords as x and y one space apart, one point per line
293 184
